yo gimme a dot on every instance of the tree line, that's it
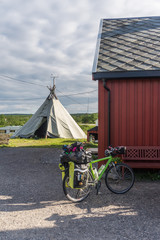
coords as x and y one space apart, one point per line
21 119
14 119
85 117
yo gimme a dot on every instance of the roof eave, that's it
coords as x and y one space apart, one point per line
97 47
126 74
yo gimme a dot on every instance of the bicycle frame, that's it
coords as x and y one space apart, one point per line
108 159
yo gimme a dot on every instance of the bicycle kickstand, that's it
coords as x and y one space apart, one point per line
98 185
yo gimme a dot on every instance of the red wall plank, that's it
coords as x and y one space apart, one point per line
155 110
101 119
140 115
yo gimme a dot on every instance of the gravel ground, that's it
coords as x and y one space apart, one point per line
33 206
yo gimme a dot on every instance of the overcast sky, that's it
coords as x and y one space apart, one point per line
43 37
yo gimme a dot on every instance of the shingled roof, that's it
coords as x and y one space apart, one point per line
128 47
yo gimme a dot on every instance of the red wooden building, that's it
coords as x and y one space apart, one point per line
127 67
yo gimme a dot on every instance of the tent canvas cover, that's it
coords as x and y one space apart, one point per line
51 120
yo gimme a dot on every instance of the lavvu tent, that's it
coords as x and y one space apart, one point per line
51 120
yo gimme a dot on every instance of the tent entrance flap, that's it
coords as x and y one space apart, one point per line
42 130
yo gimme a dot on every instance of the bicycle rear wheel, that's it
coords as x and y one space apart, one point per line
119 178
74 194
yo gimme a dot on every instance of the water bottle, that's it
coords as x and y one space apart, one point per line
101 169
95 172
79 177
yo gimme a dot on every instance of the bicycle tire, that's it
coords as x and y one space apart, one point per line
73 194
119 178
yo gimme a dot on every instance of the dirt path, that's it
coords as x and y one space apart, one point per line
33 206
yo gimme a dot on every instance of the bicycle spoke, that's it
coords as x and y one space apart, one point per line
119 178
74 194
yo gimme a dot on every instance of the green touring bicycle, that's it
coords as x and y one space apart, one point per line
79 173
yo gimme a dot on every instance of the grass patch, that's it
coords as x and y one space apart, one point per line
45 143
147 174
49 142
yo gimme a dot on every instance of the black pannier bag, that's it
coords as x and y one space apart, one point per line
75 153
80 157
64 158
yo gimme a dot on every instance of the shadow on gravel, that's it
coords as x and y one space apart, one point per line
134 215
30 180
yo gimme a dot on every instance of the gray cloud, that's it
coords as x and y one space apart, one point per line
39 37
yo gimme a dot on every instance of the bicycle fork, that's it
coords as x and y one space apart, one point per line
115 170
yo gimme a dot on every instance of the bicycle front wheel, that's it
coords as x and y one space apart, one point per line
74 194
119 178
